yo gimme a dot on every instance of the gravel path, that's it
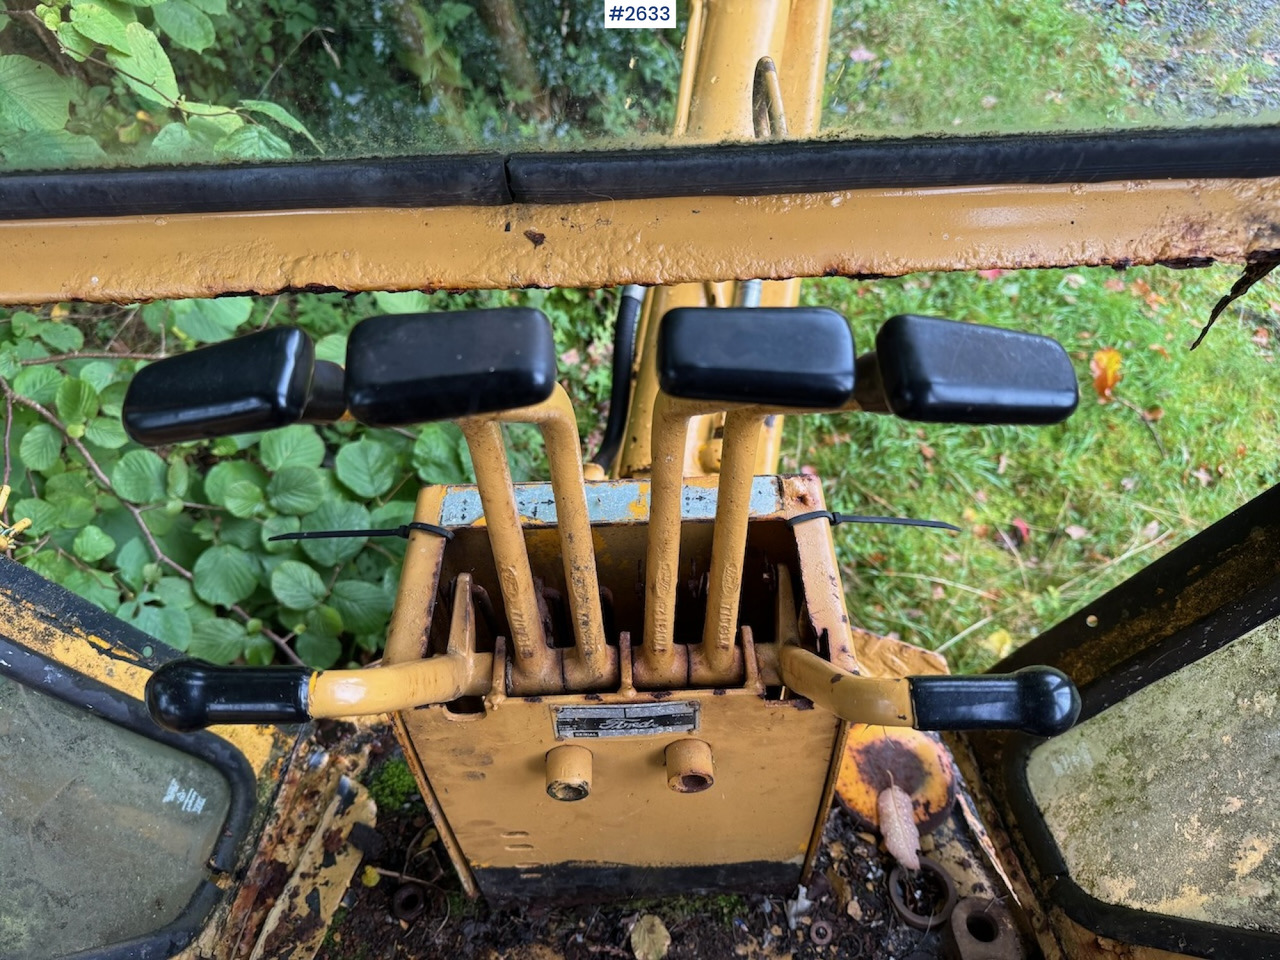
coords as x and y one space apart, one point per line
1199 60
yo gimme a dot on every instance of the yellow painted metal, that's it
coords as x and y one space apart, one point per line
662 662
690 765
486 771
852 233
459 672
637 451
592 663
568 772
714 660
884 701
533 661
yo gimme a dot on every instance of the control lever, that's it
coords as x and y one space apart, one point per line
186 695
710 360
941 371
774 360
409 368
264 380
1041 701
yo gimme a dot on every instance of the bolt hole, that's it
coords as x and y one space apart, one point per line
563 790
982 928
408 901
148 651
694 782
1091 620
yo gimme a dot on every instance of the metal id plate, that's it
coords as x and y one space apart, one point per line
625 720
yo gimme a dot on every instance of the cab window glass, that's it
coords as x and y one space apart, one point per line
86 84
104 833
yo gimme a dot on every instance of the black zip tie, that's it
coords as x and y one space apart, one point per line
401 531
838 518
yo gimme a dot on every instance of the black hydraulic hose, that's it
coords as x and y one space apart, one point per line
624 352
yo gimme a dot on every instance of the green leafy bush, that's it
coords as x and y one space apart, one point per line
177 540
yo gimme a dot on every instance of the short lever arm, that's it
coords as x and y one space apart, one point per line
1038 700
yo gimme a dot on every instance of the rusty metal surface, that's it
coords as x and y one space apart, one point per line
852 233
296 925
307 785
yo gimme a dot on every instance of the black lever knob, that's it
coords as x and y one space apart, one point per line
267 379
188 695
941 371
1038 700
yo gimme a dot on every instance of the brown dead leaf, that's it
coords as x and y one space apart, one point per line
927 451
841 893
1262 337
1115 285
854 910
1002 464
898 826
1105 367
649 938
1076 532
1159 348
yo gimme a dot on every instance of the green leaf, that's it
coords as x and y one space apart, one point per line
281 116
185 24
100 374
101 25
296 490
146 68
411 301
224 575
210 122
440 454
167 624
243 498
364 607
295 446
277 525
32 95
40 447
51 149
220 478
215 8
332 347
96 586
367 467
106 432
176 144
91 545
297 586
10 366
139 477
178 479
133 556
38 383
77 401
74 43
175 592
259 651
335 515
318 651
219 640
61 336
75 512
208 321
42 514
254 143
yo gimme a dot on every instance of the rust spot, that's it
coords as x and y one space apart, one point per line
719 692
593 697
536 238
333 840
661 694
880 760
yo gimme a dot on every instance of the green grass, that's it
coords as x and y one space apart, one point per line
967 66
1102 494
